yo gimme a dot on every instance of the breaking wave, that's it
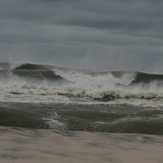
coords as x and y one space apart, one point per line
99 86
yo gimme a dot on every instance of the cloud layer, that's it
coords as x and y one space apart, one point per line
101 35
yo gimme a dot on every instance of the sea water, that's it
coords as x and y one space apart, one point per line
49 97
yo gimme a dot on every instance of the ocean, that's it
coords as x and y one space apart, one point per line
40 96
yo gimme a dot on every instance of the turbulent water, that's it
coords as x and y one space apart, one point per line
43 96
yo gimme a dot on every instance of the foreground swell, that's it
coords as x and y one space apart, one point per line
98 118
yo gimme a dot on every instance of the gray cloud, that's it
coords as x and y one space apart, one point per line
105 34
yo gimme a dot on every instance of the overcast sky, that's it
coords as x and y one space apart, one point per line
94 34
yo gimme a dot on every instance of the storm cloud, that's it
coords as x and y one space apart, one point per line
99 35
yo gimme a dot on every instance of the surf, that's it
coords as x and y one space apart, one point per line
71 84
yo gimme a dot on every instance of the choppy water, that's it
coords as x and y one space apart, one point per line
40 96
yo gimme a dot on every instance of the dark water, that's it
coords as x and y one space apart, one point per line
99 118
45 97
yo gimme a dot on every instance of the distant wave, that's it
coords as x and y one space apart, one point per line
30 66
135 76
45 75
36 71
147 78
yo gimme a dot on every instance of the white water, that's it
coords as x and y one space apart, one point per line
98 86
82 89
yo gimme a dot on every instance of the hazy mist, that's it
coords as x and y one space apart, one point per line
100 35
